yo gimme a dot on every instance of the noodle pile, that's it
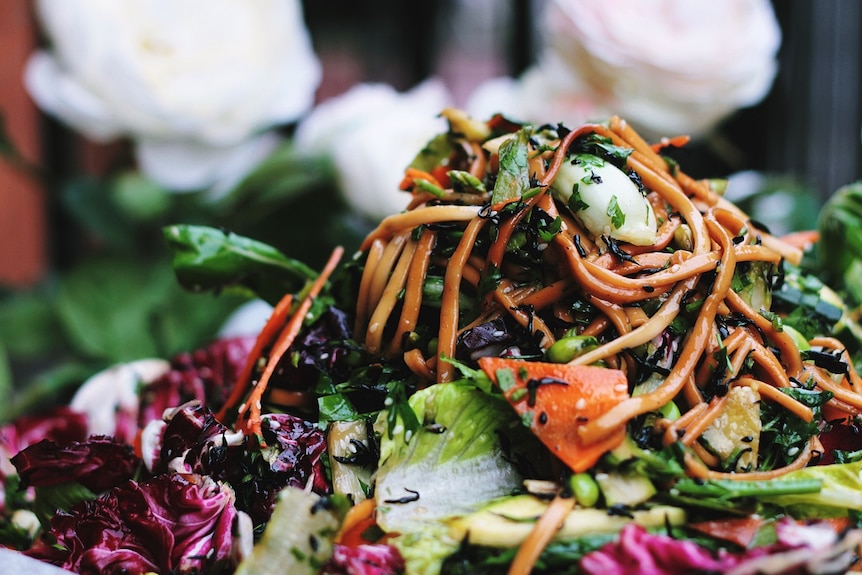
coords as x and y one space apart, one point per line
572 282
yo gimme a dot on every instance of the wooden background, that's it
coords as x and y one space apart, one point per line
808 127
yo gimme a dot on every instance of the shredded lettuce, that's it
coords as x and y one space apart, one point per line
460 458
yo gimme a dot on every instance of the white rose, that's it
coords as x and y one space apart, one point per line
537 96
372 132
667 66
194 83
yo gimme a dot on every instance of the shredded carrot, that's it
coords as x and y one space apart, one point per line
546 527
802 239
264 339
413 174
252 406
676 142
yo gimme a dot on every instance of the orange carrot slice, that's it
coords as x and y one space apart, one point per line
558 398
359 519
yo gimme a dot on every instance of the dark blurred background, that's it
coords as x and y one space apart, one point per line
806 130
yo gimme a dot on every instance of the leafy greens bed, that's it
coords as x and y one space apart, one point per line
564 356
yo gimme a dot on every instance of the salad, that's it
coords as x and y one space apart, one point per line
564 356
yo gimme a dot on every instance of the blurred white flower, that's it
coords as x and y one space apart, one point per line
247 320
194 83
372 132
667 66
110 397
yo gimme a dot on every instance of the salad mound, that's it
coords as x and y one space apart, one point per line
564 356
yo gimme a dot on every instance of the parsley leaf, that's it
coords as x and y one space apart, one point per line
615 212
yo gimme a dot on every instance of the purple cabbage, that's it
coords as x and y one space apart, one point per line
60 424
206 375
165 525
320 348
193 441
799 549
376 559
638 552
301 448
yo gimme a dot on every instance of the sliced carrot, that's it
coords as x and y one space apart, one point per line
252 406
676 142
558 398
358 520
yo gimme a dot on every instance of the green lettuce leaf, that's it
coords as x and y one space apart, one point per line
460 458
841 491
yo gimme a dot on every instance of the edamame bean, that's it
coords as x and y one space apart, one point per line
568 348
585 489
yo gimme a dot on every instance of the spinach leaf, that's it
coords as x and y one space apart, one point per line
206 258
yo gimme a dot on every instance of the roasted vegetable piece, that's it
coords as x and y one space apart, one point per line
553 399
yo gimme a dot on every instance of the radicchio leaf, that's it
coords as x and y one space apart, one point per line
375 559
98 463
206 375
165 525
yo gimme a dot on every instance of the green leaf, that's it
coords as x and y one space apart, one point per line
119 310
576 203
52 386
513 179
6 382
435 151
335 407
28 324
284 175
89 202
140 198
839 222
206 258
618 217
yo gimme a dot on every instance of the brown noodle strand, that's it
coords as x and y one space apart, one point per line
423 215
449 305
413 288
388 299
697 469
372 260
694 344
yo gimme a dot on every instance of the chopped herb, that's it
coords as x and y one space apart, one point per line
466 182
576 203
615 212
